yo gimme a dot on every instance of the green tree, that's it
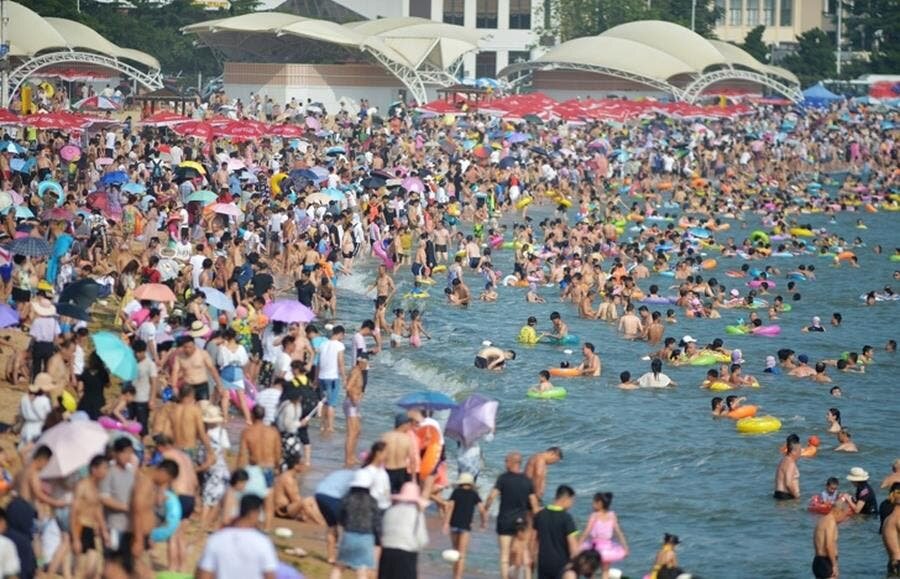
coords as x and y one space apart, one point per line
679 12
874 26
814 59
754 46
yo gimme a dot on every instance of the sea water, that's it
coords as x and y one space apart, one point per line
671 467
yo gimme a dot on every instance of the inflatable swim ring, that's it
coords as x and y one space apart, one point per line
736 330
734 273
510 280
699 232
567 340
720 386
797 276
845 256
709 264
895 257
818 506
439 268
758 425
759 235
705 359
565 372
109 423
556 392
379 250
524 202
747 411
772 330
429 440
420 295
68 401
801 232
756 283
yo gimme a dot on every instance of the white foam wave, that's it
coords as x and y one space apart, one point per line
428 376
356 283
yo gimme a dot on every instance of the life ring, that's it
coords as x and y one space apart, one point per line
759 235
567 340
524 202
895 257
704 359
556 392
426 281
797 276
736 330
699 233
249 394
379 251
131 427
709 264
757 283
510 280
772 330
747 411
801 232
565 372
870 208
439 268
421 295
664 186
845 256
758 425
720 386
819 506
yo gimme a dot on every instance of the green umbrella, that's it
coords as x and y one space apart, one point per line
116 354
205 197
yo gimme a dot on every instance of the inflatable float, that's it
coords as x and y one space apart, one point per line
565 372
556 392
758 425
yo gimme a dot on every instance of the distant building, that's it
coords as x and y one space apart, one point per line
507 27
784 20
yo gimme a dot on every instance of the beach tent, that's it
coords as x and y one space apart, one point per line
819 96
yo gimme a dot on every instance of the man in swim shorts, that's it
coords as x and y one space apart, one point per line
787 477
890 532
493 358
825 541
401 455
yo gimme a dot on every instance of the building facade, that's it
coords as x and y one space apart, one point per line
506 26
784 20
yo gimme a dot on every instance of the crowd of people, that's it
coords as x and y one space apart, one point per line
217 264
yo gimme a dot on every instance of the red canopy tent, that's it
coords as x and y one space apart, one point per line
164 119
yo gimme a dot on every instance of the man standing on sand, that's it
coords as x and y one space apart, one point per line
188 431
116 488
825 542
517 499
185 487
331 374
787 476
401 454
144 498
536 468
239 550
88 524
194 367
890 533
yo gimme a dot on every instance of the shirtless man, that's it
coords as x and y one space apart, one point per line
656 329
825 542
28 482
630 324
560 329
188 431
261 446
845 441
536 468
88 523
352 398
419 261
459 293
441 241
194 367
287 500
590 365
401 455
184 485
493 358
892 478
384 285
890 533
787 477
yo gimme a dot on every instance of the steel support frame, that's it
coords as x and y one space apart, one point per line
693 91
653 83
152 79
408 76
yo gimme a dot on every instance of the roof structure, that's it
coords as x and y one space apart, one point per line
662 55
36 42
417 51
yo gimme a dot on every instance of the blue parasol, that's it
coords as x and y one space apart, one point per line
427 400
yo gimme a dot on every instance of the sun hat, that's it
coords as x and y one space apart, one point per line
362 479
409 493
770 361
198 329
212 414
857 474
465 478
737 357
44 382
45 286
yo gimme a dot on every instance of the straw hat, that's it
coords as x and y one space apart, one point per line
198 329
857 474
43 382
465 478
43 308
212 415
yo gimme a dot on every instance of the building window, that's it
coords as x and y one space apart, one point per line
752 12
486 65
486 14
721 11
420 8
769 12
520 14
787 13
455 12
735 13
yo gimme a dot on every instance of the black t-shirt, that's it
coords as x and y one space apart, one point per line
867 494
515 489
305 293
553 526
464 502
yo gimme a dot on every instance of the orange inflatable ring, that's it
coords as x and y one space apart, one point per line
430 441
871 208
747 411
845 256
565 372
709 264
665 186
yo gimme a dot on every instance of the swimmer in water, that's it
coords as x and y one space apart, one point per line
830 494
836 391
670 317
816 325
544 384
493 358
398 328
820 376
560 329
626 383
833 417
836 319
489 294
718 406
846 442
532 297
590 364
416 329
734 402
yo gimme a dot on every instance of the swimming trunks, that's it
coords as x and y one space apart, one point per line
822 567
201 391
481 362
187 506
397 476
782 496
893 568
88 539
473 262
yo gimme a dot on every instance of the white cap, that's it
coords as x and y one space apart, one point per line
688 340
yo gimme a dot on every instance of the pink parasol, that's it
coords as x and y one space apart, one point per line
70 153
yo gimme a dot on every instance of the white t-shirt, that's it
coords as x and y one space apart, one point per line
234 553
9 558
147 332
110 140
196 269
328 359
648 380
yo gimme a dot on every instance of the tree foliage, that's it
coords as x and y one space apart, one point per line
874 26
577 18
753 44
814 59
150 26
